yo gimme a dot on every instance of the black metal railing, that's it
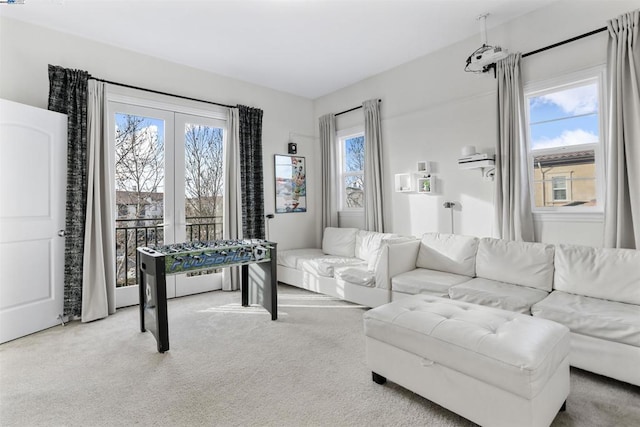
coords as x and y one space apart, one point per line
131 233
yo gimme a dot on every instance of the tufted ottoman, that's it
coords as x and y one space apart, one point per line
494 367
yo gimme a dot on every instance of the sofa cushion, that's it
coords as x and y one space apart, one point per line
325 265
450 253
497 294
291 258
425 281
612 274
356 275
339 241
368 243
522 263
598 318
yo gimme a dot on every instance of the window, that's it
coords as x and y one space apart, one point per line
351 169
564 143
559 188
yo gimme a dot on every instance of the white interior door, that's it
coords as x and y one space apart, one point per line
33 165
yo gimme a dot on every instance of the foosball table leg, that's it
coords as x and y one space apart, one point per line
244 283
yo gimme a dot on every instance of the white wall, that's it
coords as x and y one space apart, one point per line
431 108
26 50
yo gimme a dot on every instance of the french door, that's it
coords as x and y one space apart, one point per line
169 180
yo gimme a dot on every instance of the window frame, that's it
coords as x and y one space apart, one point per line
564 82
341 173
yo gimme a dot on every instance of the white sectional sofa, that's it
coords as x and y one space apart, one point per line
593 291
352 265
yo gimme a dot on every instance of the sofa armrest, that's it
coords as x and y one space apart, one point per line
402 257
379 265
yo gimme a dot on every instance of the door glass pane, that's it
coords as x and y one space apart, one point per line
204 182
140 199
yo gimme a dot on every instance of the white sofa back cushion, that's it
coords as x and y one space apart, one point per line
611 274
339 241
368 243
451 253
520 263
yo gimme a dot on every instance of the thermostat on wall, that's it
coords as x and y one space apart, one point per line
293 148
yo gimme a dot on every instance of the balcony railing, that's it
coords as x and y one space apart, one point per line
131 233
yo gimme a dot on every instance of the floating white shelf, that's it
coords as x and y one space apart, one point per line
425 184
487 167
475 165
402 183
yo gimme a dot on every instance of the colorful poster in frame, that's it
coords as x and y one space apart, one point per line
291 184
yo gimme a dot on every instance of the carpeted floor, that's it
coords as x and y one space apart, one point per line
233 366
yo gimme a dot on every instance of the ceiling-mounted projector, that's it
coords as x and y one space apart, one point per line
485 57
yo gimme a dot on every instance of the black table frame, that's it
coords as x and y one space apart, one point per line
152 282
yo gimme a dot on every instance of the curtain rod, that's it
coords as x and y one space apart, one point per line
542 49
161 93
352 109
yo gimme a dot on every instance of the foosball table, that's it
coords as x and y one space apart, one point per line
156 262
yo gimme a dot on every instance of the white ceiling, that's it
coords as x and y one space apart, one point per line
304 47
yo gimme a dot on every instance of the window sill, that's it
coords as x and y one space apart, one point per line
568 216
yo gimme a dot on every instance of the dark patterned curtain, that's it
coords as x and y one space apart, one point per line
68 95
251 181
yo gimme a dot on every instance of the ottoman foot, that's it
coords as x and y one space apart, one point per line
563 407
377 378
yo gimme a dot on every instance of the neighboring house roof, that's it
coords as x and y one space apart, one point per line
570 158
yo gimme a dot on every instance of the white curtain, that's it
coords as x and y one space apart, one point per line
98 269
514 220
622 210
232 228
373 191
328 157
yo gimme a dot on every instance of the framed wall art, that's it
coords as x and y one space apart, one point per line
291 184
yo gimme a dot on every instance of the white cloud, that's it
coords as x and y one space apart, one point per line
567 138
578 100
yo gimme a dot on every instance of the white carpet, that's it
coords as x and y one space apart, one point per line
233 366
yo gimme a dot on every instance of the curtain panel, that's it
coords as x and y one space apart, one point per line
98 284
232 228
513 216
251 182
622 208
327 124
68 95
373 190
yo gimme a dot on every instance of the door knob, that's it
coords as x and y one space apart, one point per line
62 233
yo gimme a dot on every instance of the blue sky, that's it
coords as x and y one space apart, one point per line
157 123
564 118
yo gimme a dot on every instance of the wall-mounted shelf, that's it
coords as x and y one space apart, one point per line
422 181
402 183
487 167
423 166
425 184
476 165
